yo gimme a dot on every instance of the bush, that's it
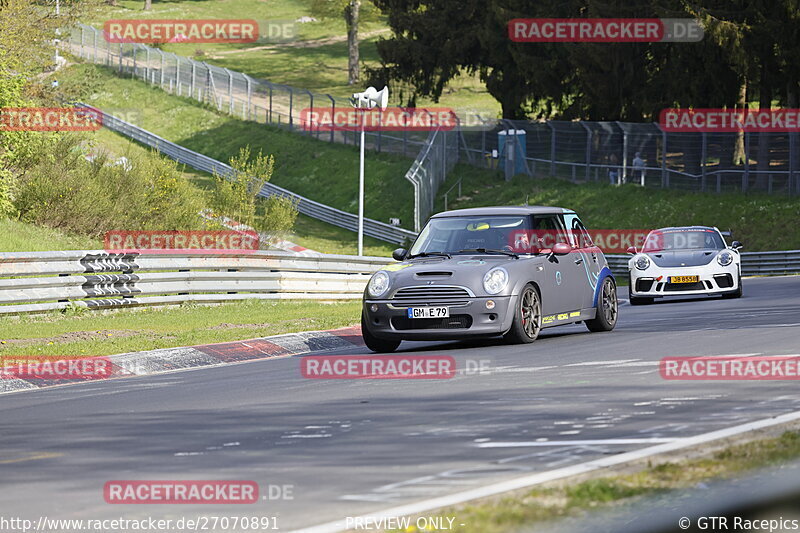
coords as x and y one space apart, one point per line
59 188
236 195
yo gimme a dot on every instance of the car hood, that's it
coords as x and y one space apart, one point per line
464 270
681 258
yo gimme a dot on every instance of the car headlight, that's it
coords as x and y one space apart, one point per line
642 262
725 258
495 280
378 284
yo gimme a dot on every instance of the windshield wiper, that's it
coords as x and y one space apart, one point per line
490 251
429 254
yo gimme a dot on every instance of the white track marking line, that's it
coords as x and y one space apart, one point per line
553 475
571 443
601 363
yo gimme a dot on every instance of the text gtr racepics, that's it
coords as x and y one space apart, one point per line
490 271
685 261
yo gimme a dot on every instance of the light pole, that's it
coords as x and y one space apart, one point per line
369 99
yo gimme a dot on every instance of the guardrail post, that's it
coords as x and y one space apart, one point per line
135 49
94 46
120 57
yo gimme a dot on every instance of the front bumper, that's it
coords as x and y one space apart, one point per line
654 282
470 318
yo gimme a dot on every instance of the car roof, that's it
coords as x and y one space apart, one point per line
504 210
688 228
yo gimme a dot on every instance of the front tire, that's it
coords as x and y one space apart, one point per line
607 308
374 343
527 317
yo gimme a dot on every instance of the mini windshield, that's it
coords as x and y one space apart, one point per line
683 239
453 235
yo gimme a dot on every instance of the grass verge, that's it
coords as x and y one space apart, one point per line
87 333
529 509
24 237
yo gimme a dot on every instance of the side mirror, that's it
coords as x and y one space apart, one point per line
399 254
631 250
736 245
561 248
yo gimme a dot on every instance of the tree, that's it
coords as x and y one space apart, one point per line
354 12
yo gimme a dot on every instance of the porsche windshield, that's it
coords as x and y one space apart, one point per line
696 239
451 235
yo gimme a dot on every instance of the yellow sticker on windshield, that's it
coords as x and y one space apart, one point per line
396 267
477 226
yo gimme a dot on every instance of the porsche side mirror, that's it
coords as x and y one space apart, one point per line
399 254
631 250
736 245
561 248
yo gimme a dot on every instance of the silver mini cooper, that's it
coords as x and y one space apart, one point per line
490 271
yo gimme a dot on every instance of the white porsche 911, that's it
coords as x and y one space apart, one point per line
684 261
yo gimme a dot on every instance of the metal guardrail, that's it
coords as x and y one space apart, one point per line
44 281
317 210
753 263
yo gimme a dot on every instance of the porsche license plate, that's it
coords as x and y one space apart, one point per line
428 312
684 279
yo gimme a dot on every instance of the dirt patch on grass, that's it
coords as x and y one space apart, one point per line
73 336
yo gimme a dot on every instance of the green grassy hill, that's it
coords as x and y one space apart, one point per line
328 173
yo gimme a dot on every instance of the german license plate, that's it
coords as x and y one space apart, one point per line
428 312
684 279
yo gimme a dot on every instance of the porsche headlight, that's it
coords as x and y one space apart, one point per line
642 262
379 284
495 280
725 258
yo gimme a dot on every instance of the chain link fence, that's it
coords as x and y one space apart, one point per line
232 92
642 153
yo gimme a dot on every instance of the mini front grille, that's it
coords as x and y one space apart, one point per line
430 294
454 322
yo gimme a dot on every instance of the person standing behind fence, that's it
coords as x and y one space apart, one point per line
613 169
638 167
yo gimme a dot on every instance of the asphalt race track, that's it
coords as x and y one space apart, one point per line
349 447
